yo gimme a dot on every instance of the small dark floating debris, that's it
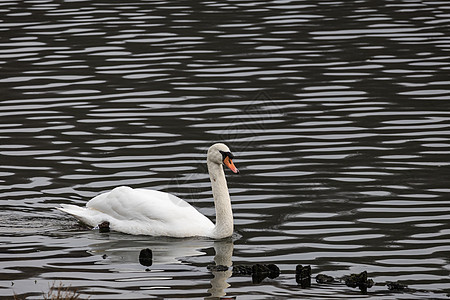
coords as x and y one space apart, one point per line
104 256
242 270
359 280
396 286
258 278
274 271
146 257
258 271
217 268
322 278
303 276
103 227
271 270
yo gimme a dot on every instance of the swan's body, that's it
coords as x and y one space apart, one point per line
149 212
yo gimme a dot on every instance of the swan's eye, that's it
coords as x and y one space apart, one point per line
226 154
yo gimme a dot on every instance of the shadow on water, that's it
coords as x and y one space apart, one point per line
121 253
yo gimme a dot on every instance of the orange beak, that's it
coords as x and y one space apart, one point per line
229 163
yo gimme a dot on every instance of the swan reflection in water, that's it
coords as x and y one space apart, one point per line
122 254
223 253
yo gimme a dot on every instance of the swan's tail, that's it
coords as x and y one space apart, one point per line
83 214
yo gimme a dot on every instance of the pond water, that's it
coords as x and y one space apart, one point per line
337 112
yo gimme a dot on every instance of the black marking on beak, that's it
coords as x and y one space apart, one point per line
226 154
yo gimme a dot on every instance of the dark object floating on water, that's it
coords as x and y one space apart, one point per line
242 270
146 257
322 278
217 268
262 271
103 227
303 276
258 271
396 286
359 280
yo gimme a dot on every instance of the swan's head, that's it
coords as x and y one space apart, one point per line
220 154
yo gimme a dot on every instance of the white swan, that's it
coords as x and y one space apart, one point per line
149 212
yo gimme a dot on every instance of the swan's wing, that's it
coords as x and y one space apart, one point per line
135 204
149 212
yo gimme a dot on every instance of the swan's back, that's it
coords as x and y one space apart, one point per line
141 211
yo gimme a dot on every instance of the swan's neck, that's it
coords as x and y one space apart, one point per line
222 202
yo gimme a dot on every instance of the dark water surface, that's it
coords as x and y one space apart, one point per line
337 111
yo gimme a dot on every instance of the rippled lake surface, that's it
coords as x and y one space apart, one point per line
337 112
